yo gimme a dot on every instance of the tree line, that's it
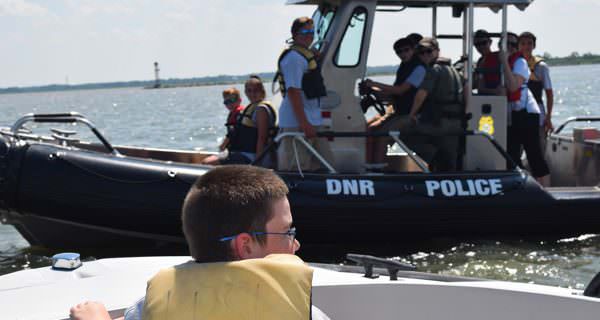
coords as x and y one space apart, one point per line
575 58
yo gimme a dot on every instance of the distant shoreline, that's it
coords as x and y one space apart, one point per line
586 59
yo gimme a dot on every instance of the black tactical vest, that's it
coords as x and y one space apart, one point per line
403 103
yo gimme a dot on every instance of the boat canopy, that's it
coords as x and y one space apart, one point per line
494 4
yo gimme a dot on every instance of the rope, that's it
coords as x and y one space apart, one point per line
296 157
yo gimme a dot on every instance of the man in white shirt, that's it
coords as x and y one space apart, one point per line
539 83
523 130
302 87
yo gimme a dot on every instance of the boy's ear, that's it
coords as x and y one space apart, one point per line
244 246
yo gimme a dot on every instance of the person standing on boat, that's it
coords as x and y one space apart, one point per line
523 130
539 82
438 110
409 76
239 229
488 65
302 87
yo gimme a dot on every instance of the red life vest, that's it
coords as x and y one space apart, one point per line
514 96
491 63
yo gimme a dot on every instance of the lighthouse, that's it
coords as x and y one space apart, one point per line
156 76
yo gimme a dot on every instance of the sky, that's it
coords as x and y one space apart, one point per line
84 41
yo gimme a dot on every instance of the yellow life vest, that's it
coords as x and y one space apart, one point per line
276 287
245 134
248 113
532 62
312 81
535 85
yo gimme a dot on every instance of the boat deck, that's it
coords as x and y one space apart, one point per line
574 193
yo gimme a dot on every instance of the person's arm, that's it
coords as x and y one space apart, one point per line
549 105
262 125
513 81
431 77
295 96
391 90
549 96
224 144
417 104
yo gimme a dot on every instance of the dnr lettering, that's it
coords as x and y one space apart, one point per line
463 188
350 187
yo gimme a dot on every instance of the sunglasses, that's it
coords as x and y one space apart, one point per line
307 32
230 101
428 51
481 43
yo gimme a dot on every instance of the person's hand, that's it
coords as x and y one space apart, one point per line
373 125
89 310
548 127
309 131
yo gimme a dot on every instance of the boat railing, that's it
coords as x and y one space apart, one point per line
395 135
575 119
69 117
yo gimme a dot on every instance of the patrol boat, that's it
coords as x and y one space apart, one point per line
61 192
341 292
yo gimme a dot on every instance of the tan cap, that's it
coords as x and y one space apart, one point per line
428 42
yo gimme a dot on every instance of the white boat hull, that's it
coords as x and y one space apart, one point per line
48 294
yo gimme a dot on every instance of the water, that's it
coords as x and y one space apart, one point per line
193 118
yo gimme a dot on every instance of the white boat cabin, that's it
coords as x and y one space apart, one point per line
343 31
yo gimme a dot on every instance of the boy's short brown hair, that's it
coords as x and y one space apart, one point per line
231 92
226 201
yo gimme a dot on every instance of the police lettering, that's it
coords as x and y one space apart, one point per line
466 188
350 187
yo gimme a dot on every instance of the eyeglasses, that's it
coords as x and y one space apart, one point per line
428 51
307 32
290 233
481 43
230 101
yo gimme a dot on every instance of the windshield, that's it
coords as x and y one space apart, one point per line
322 19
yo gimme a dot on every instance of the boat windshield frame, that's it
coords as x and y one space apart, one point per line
322 18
